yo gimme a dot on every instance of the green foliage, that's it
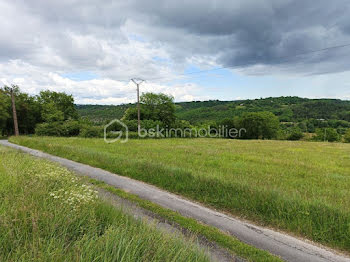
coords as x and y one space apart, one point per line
310 127
48 214
228 123
327 134
347 136
91 131
4 112
102 113
295 134
57 104
263 125
182 124
28 111
49 129
47 107
156 107
71 128
307 114
50 113
66 128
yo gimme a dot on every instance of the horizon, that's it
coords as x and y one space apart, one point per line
177 102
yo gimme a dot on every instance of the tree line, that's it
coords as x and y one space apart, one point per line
54 114
47 107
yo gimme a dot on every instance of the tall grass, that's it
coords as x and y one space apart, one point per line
46 214
296 186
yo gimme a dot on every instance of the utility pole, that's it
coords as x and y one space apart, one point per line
14 112
137 82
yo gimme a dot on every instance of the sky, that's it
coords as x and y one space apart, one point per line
91 49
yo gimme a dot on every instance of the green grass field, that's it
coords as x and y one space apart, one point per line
47 214
300 187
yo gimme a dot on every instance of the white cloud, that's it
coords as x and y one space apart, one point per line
33 79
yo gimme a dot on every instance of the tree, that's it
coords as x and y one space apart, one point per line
264 125
327 134
347 136
28 111
157 107
50 113
32 110
4 115
58 102
295 134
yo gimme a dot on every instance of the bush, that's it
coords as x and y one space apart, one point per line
59 128
182 124
49 129
148 124
327 134
264 125
347 136
341 130
131 124
310 127
295 134
282 134
71 128
91 131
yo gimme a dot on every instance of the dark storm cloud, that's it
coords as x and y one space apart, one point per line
229 33
256 32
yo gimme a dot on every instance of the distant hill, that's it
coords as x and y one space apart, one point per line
102 113
288 109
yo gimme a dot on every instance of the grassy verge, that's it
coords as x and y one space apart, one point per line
296 186
211 233
47 214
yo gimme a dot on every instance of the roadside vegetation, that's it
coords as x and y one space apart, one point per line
210 233
47 214
299 187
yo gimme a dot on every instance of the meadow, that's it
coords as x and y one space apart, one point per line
299 187
48 214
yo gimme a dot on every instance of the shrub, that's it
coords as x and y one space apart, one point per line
295 134
327 134
49 129
310 127
347 136
148 124
264 125
59 128
91 131
182 124
281 134
71 128
131 124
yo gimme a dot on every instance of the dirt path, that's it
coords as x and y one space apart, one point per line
287 247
